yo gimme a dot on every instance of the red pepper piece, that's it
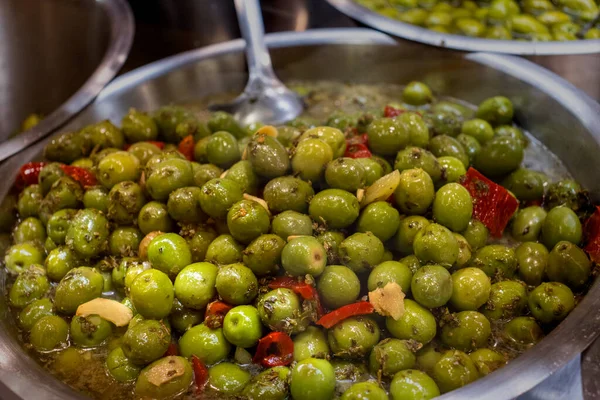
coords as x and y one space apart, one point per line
333 318
28 174
357 150
591 229
391 112
172 350
160 145
85 177
274 350
492 204
186 147
302 288
215 313
305 290
200 374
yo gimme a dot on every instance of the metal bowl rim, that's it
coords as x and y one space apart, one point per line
551 353
122 28
458 42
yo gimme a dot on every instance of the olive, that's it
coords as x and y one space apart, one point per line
507 299
432 286
345 173
31 284
281 309
334 207
79 286
466 331
417 323
247 220
310 343
495 260
361 252
499 156
569 264
436 243
455 369
288 193
487 361
413 384
224 250
522 332
174 374
90 331
415 192
392 355
353 337
312 379
551 302
415 157
304 255
268 156
387 136
271 384
561 223
407 231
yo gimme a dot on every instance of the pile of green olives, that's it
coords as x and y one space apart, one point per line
528 20
169 213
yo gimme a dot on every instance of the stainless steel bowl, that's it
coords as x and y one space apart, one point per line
418 34
56 56
557 113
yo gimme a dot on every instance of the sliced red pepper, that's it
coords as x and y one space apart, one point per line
160 145
186 147
333 318
172 350
493 205
200 374
215 313
274 350
591 229
391 112
357 150
302 288
85 177
29 174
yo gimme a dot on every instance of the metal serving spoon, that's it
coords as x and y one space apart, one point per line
265 99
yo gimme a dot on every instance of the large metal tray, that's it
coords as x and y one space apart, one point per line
558 114
55 57
418 34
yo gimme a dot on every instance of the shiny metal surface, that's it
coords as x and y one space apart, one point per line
55 57
309 56
563 384
590 371
265 98
165 28
418 34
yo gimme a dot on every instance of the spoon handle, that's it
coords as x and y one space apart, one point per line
260 69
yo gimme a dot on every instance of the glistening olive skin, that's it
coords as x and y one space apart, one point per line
346 254
268 157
